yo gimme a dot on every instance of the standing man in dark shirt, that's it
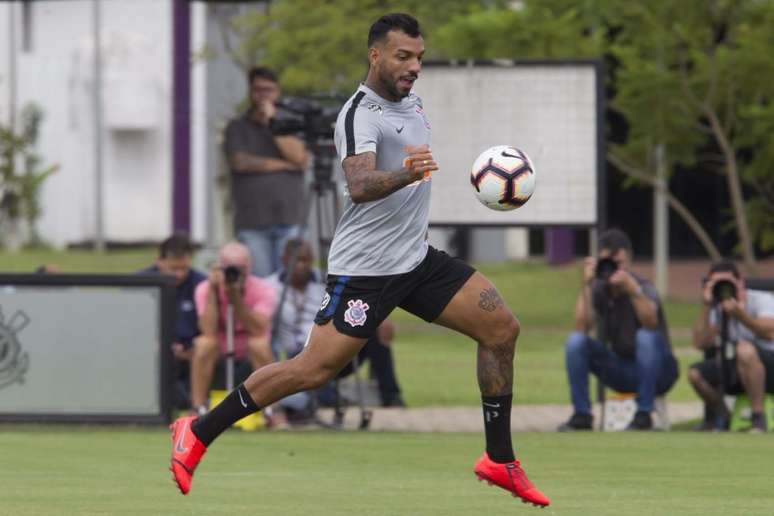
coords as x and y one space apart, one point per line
175 260
266 175
628 310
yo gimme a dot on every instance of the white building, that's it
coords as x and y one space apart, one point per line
47 57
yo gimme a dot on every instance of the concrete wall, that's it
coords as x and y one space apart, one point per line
57 74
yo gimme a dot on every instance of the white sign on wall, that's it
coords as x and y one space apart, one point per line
548 110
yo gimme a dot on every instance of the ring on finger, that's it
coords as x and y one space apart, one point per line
425 162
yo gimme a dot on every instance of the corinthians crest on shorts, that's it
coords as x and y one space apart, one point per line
356 313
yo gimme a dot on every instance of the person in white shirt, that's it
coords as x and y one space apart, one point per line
750 315
304 294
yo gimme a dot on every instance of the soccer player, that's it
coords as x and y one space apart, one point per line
380 259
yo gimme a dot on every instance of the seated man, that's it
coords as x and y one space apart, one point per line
302 301
175 260
252 299
629 318
750 316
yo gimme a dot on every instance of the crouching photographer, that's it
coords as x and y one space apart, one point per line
738 323
632 352
230 288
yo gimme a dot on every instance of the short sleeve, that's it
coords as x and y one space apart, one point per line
713 317
764 305
200 296
234 139
650 292
357 131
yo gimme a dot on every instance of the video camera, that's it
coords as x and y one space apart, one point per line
315 118
605 268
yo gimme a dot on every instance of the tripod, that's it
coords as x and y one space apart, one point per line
603 333
725 357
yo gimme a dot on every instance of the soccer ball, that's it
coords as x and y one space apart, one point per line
503 178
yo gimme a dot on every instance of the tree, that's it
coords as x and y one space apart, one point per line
21 178
320 47
716 80
686 74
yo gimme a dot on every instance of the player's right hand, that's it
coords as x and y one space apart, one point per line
419 160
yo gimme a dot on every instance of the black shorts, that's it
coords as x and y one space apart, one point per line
710 371
359 304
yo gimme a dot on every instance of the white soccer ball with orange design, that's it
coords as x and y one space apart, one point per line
503 178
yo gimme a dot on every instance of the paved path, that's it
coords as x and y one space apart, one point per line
524 418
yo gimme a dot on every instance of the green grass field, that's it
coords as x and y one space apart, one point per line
87 471
90 472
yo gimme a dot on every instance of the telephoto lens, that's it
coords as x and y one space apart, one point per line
606 267
722 290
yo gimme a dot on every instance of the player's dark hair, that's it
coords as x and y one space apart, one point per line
261 72
614 240
724 266
393 21
176 246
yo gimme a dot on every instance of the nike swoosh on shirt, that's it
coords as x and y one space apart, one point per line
399 130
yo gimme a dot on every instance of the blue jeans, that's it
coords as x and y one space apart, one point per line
266 246
652 371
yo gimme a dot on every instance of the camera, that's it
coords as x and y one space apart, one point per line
722 290
316 120
232 273
606 267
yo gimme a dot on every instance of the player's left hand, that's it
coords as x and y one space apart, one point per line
419 159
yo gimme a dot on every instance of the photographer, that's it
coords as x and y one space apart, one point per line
252 299
629 318
750 318
266 175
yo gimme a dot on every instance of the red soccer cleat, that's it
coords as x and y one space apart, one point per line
187 451
510 477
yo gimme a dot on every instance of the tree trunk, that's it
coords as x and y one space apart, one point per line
734 192
674 202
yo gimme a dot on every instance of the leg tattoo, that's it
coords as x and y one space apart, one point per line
495 370
490 300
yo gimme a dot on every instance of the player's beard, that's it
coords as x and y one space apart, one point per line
390 85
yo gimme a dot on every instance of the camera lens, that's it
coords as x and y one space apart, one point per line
722 290
231 273
606 267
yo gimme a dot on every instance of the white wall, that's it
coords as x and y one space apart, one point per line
58 75
5 32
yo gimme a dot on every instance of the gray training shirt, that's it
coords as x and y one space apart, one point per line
386 236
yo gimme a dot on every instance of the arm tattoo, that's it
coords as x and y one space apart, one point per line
490 300
367 184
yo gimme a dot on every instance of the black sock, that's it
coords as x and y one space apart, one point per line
497 426
234 407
